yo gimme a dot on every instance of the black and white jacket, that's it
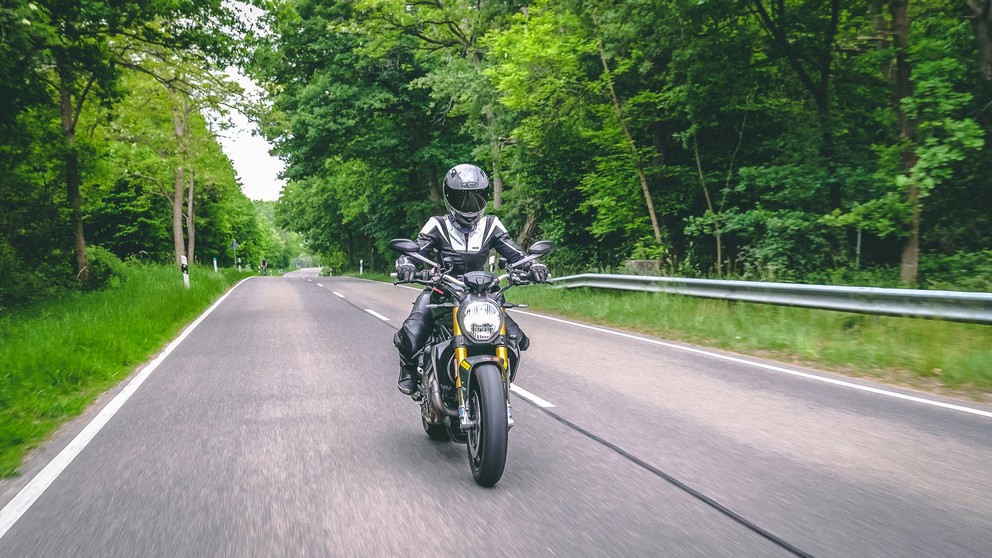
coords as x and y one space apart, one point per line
467 248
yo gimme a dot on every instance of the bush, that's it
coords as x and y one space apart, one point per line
964 271
21 285
105 267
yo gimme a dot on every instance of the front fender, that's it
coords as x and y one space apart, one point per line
470 364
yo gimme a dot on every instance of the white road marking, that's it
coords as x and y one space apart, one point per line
377 315
320 284
337 294
530 396
773 368
34 489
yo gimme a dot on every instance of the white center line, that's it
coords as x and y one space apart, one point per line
337 294
320 284
376 314
530 396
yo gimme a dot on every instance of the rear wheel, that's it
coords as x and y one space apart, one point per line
486 407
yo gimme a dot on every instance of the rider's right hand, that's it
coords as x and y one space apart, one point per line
405 272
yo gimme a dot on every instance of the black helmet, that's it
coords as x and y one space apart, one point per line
466 190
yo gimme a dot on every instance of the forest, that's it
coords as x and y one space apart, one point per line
826 141
109 120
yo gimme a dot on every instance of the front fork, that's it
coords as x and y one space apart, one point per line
462 364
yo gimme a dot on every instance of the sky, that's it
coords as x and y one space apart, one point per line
247 149
258 171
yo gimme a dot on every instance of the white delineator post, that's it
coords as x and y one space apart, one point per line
185 269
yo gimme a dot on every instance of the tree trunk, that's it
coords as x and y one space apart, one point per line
177 215
981 24
432 186
497 175
527 233
180 118
902 89
73 179
190 221
638 166
709 203
420 131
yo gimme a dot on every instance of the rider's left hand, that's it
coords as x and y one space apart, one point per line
539 273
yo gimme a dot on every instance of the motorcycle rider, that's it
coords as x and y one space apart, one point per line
464 237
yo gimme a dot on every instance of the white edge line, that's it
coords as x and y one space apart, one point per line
377 315
37 486
851 385
339 295
530 396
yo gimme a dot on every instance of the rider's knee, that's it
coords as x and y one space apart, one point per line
411 336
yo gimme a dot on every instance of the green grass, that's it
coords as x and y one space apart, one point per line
940 356
60 355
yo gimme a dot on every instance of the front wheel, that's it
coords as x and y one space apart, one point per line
487 441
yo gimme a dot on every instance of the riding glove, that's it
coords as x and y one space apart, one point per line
539 273
405 270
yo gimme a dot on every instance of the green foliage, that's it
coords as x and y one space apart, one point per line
84 105
769 140
646 249
105 267
963 271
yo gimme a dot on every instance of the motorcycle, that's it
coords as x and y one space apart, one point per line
469 361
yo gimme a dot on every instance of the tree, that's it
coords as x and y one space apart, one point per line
79 41
757 138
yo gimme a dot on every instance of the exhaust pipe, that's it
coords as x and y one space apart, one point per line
438 403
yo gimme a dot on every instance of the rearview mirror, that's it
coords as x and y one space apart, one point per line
403 245
541 247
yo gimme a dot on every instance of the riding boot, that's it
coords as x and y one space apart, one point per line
407 382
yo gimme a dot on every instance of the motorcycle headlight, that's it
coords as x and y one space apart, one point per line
481 320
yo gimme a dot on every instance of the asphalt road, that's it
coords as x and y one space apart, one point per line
275 429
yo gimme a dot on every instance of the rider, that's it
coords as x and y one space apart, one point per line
464 237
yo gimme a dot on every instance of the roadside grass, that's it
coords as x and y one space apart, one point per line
58 356
936 356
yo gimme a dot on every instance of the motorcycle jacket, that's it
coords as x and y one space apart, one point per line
467 248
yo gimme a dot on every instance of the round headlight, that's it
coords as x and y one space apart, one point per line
481 320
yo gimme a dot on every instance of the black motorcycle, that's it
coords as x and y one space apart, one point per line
469 362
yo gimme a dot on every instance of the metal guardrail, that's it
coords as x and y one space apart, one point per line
942 305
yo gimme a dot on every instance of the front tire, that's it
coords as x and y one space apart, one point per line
487 442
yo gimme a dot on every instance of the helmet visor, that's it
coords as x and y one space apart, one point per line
466 201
